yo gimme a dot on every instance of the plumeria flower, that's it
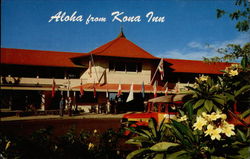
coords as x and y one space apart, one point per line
200 122
215 134
233 73
235 66
205 115
183 118
203 78
227 129
210 129
223 116
91 146
7 145
214 116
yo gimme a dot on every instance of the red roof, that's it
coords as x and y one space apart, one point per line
191 66
121 47
37 57
124 87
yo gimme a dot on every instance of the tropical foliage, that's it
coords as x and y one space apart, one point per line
207 136
203 130
242 16
43 144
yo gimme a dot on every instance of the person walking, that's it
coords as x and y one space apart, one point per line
61 106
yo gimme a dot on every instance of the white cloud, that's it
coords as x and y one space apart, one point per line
195 44
196 51
190 55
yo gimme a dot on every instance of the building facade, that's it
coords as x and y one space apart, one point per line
27 76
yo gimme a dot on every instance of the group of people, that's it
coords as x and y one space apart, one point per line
65 103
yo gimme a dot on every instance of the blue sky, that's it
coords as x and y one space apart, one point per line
189 27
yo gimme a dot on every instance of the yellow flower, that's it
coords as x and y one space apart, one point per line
210 129
91 146
214 116
223 116
95 131
204 78
7 145
215 134
200 122
183 118
233 73
235 66
205 115
227 129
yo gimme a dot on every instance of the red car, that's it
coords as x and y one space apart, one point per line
157 108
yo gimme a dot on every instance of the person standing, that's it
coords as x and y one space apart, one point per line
61 106
108 107
69 106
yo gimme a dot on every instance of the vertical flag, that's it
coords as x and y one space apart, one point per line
107 93
119 90
161 69
68 87
177 87
166 91
94 90
143 90
131 93
81 89
53 88
90 68
155 89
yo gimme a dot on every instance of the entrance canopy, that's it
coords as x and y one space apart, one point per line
162 99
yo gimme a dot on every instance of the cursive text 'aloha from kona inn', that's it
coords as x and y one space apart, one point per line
116 16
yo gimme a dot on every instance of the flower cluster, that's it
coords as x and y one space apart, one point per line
233 70
214 125
202 78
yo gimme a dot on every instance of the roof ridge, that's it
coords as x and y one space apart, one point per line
141 48
111 43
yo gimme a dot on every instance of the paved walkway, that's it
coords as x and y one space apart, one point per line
81 116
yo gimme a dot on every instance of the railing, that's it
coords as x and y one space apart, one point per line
40 81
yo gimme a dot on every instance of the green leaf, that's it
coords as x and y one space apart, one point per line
217 157
177 155
242 90
245 113
219 100
162 146
241 135
137 140
190 110
201 110
244 152
230 97
220 13
136 152
159 156
146 132
177 133
185 130
199 103
209 105
152 125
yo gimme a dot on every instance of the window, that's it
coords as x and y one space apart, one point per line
126 67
